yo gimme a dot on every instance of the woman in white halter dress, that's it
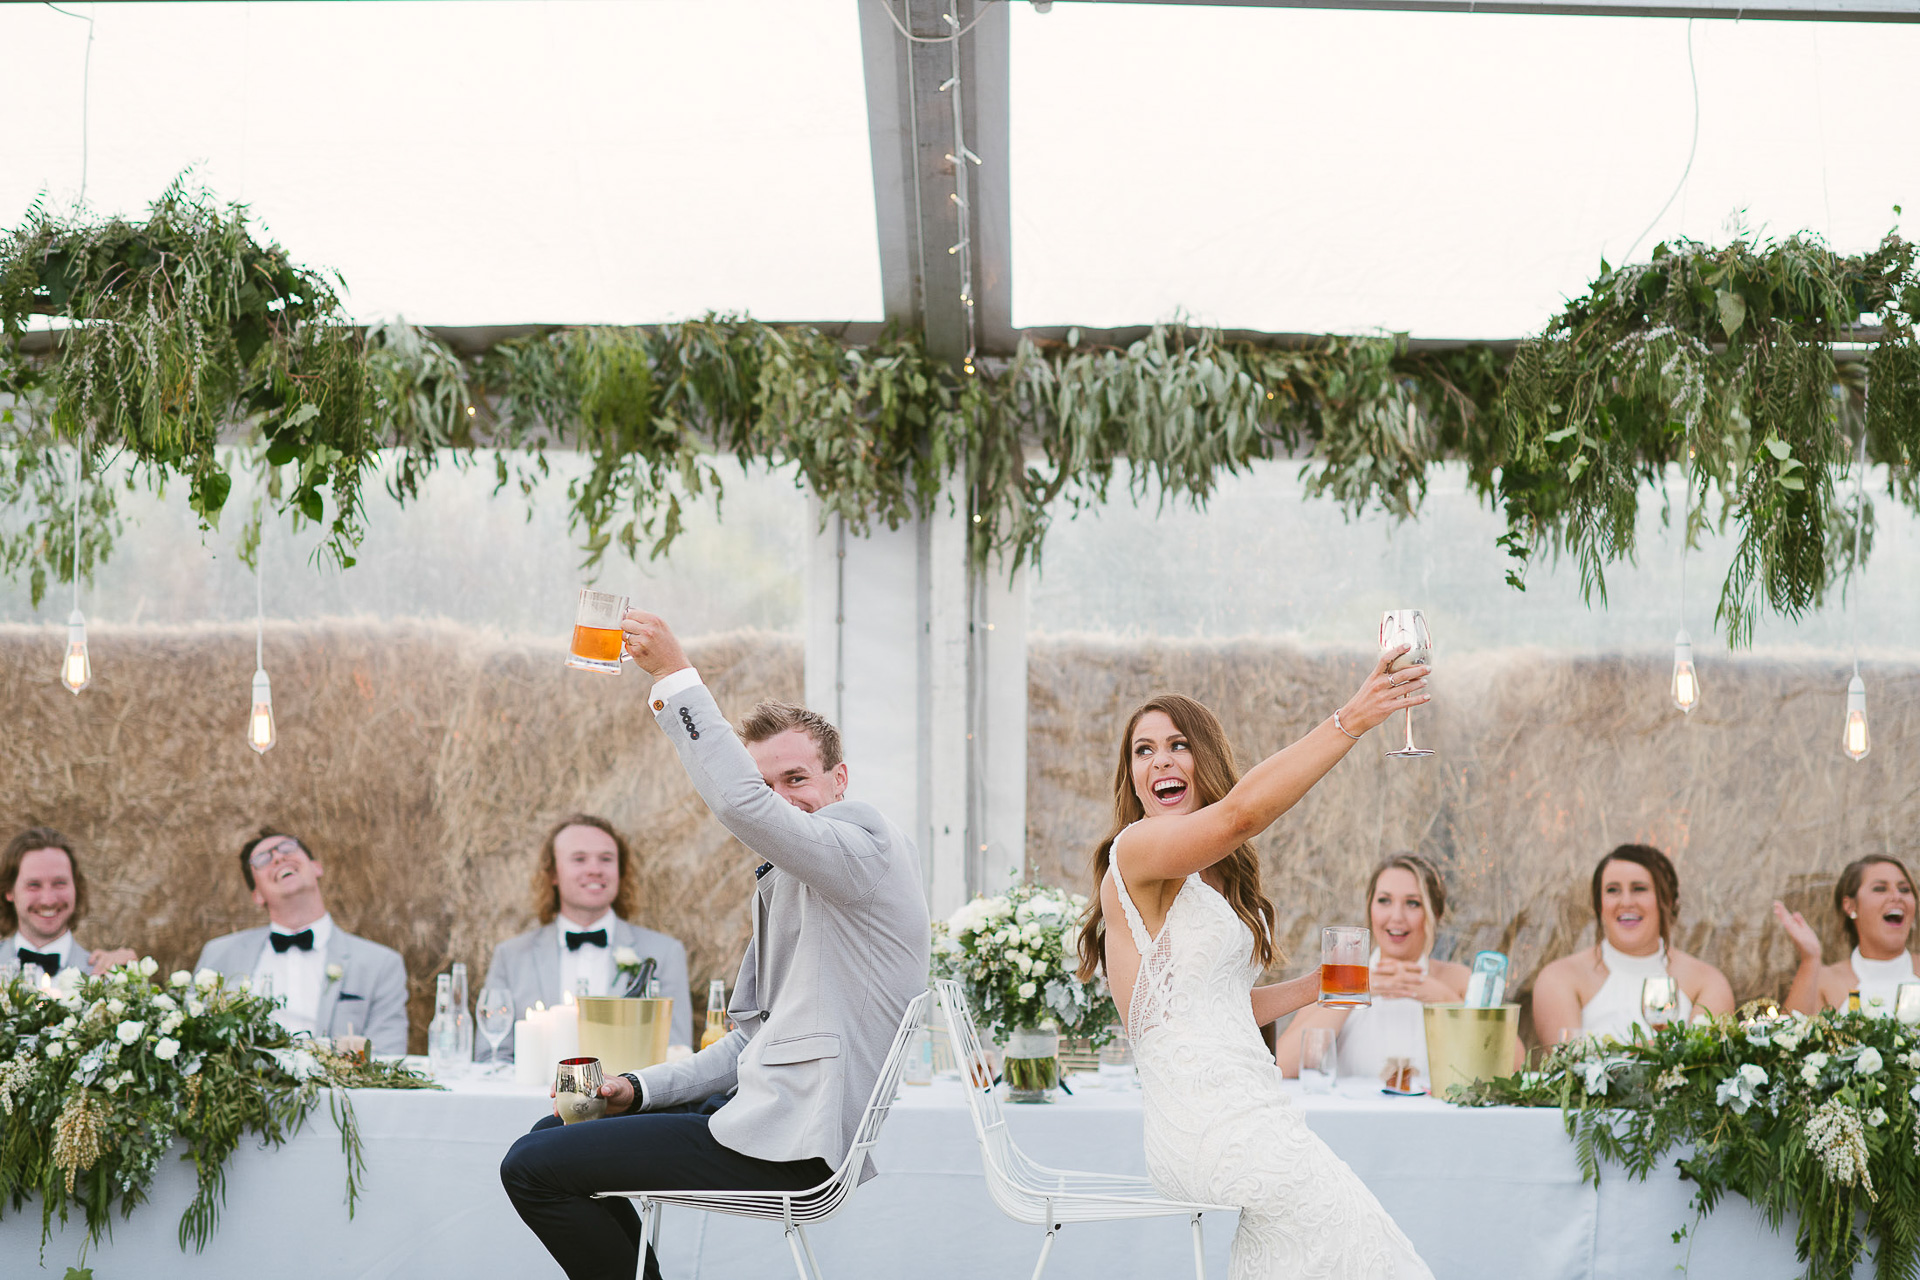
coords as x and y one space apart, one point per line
1597 990
1874 897
1178 888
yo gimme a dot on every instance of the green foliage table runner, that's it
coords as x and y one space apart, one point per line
1815 1117
100 1077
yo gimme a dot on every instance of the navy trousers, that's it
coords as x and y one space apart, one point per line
551 1174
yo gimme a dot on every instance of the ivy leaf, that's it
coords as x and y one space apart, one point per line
281 452
1733 310
1780 449
1555 437
78 1273
1579 464
310 505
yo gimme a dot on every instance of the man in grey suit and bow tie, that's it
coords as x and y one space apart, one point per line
42 896
584 891
839 949
328 980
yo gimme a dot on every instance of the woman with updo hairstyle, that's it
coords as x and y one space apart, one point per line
1406 900
1596 990
1875 901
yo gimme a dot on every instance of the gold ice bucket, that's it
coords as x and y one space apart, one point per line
1465 1043
625 1032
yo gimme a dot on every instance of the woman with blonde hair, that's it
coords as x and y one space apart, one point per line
1197 932
1875 901
1405 902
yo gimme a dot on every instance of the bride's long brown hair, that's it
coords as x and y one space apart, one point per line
1214 774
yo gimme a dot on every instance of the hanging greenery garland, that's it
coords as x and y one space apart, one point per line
183 326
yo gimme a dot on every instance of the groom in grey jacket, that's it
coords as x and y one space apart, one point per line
838 950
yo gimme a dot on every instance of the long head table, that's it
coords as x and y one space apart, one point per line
1482 1193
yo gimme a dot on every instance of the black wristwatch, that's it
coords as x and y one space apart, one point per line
633 1080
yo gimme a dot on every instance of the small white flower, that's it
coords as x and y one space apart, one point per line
180 978
55 1049
245 984
166 1049
1914 1093
1876 1117
1027 990
148 966
116 1007
170 1024
1868 1062
1594 1071
1020 961
1736 1091
626 958
164 1001
194 1007
1753 1073
206 979
335 973
130 1032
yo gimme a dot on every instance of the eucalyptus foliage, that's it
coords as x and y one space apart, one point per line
99 1077
1718 362
1818 1118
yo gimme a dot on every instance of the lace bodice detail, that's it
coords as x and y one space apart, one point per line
1220 1128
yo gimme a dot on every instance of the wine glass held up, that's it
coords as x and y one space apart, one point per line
1407 627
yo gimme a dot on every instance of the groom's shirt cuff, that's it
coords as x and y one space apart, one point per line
668 685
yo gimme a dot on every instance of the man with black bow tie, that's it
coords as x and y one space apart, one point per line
44 896
328 981
585 891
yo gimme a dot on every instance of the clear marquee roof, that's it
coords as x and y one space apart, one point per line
1451 175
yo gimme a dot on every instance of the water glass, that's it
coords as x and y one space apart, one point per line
1906 1003
1319 1059
1117 1069
1344 954
919 1062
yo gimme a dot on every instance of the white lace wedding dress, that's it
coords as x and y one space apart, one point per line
1219 1128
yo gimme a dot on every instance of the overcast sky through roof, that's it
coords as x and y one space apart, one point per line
1295 170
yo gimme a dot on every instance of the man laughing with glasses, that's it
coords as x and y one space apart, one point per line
328 980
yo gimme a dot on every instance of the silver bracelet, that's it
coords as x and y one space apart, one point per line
1342 728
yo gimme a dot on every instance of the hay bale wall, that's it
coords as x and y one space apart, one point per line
1544 762
424 762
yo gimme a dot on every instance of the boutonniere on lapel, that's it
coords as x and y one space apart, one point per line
626 962
335 973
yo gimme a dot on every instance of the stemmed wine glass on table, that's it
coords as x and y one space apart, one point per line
493 1014
1407 627
1659 1003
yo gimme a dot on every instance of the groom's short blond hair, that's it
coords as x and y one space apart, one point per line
772 718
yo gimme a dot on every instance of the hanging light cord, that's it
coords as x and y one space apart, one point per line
259 615
1859 519
79 456
86 79
1692 147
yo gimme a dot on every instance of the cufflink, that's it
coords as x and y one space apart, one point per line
659 704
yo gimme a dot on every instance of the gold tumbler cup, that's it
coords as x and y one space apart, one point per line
1466 1043
625 1032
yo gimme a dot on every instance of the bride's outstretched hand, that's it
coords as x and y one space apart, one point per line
1384 692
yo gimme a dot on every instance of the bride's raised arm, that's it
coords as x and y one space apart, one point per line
1187 842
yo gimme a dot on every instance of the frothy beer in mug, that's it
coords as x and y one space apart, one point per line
597 639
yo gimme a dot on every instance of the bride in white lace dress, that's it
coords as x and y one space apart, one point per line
1178 870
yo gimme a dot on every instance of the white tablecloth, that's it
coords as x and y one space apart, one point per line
1482 1194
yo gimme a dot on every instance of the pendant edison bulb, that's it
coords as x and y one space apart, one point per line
1853 739
76 671
1686 686
260 735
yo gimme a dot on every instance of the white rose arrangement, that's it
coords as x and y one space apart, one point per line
1015 956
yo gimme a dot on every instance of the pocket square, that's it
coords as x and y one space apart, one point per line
348 995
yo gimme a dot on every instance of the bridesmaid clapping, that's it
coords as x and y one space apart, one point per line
1875 900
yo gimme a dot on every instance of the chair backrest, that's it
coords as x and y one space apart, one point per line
976 1081
829 1197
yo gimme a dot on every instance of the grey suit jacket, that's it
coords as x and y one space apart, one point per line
528 965
839 948
371 992
75 958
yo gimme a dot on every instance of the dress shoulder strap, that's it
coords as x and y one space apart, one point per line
1142 940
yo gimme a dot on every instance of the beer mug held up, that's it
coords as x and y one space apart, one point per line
597 639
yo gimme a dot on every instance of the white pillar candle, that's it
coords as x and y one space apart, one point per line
526 1051
563 1028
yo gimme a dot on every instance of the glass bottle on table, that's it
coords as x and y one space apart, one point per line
462 1012
716 1014
443 1037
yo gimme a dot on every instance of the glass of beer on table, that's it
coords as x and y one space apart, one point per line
1344 952
598 643
576 1090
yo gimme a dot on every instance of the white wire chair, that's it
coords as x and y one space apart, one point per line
1033 1193
793 1209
